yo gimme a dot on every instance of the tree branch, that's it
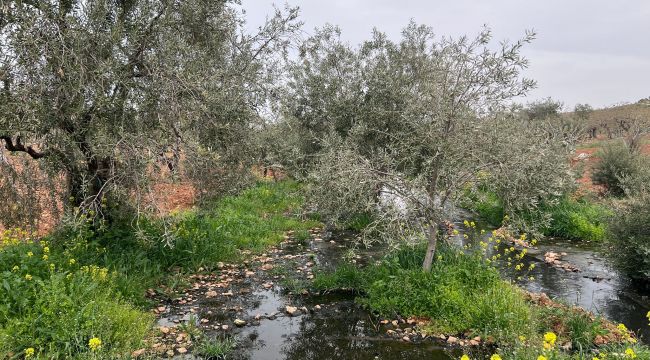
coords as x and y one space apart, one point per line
19 146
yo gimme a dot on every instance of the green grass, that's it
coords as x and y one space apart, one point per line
570 219
216 348
461 293
99 277
577 220
486 204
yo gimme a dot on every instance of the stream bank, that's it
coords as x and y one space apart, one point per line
264 305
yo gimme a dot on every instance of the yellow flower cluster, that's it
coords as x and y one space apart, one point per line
549 340
96 272
94 344
14 237
29 352
626 333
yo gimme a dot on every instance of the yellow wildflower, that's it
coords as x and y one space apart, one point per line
30 254
29 352
464 357
550 338
45 257
542 357
94 344
72 261
495 357
629 353
622 327
46 249
28 277
522 338
15 268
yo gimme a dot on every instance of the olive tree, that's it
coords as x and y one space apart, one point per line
408 126
98 92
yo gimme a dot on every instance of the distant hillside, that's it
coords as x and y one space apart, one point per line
610 122
639 110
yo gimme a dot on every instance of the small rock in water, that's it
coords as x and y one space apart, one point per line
240 322
181 350
291 310
317 307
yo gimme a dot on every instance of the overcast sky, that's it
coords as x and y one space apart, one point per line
587 51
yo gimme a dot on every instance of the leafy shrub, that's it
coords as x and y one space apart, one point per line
616 163
629 235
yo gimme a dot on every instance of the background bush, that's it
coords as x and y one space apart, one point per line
629 237
616 163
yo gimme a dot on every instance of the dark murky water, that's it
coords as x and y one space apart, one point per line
597 287
339 330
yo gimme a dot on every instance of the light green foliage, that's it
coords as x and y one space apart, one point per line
255 219
578 220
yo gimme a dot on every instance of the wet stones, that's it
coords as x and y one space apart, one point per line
291 310
555 259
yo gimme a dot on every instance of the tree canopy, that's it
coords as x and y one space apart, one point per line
101 91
